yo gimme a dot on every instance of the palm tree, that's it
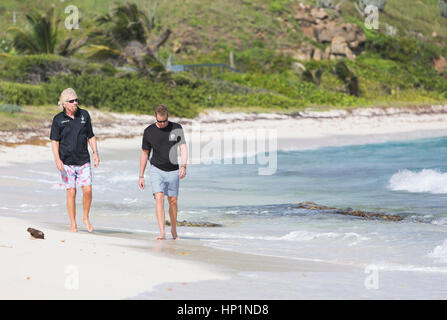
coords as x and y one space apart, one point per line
42 35
124 35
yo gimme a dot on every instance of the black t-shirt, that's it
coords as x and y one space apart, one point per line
72 135
164 142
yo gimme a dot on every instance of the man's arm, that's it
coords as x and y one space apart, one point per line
184 157
143 162
94 147
57 159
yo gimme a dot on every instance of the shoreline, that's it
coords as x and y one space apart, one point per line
91 265
98 265
300 131
115 125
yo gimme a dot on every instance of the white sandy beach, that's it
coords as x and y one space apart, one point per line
118 266
80 265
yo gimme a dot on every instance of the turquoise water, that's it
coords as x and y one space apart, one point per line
259 213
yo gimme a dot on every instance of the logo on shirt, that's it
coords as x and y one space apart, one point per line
82 119
172 137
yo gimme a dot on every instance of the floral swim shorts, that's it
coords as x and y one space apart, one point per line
75 176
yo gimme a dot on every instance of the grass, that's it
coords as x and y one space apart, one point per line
422 16
30 117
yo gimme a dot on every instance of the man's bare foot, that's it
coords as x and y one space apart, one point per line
88 225
73 229
161 237
175 236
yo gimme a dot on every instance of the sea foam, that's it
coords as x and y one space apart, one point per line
427 180
439 252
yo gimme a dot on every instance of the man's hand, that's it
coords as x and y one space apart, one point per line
59 165
141 183
96 159
182 172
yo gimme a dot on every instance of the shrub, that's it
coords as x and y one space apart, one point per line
402 49
131 94
261 60
35 69
5 45
17 93
345 74
10 108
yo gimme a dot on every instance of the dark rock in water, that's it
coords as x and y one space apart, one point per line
185 223
37 234
309 205
349 211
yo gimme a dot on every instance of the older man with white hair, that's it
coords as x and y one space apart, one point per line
71 131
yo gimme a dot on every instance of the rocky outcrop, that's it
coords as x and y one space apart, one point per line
352 33
305 53
350 212
340 48
343 40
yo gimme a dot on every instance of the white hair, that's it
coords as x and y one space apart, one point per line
64 95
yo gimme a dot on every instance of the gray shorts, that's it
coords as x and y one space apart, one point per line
164 181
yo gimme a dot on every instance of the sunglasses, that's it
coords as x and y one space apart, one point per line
161 121
73 100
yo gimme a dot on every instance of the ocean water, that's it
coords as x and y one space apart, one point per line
259 214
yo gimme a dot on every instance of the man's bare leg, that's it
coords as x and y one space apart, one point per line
173 216
87 202
160 212
71 208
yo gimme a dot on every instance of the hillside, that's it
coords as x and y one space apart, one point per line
285 66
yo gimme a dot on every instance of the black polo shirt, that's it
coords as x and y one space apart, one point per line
164 143
73 135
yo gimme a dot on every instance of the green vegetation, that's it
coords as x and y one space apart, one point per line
30 117
116 59
10 108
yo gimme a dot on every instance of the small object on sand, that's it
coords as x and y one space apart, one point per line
36 234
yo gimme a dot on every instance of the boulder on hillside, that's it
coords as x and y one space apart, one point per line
298 68
340 49
318 55
318 14
440 64
302 16
350 32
